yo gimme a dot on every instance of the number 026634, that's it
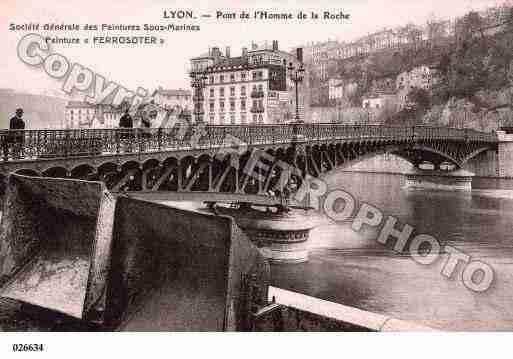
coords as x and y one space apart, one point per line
27 347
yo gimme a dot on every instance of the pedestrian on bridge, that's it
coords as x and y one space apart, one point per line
16 137
126 120
126 125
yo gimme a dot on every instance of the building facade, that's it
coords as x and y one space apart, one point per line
253 88
379 101
421 77
84 115
335 90
172 98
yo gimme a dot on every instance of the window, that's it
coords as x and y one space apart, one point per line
254 74
260 88
255 118
232 77
212 79
221 120
243 90
232 105
243 118
232 119
232 91
243 76
211 92
221 91
260 119
211 107
243 105
212 119
221 105
221 78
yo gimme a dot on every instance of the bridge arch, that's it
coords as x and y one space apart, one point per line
84 171
28 172
57 171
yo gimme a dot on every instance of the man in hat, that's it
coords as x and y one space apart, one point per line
126 120
126 123
16 124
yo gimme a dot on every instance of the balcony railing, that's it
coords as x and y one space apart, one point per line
21 145
257 94
257 109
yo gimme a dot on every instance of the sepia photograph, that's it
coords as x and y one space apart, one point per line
329 166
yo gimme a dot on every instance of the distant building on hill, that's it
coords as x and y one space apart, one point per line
335 89
421 77
380 100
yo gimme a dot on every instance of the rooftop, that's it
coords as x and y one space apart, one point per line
79 104
172 92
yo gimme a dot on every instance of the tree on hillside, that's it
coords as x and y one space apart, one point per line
468 27
435 30
418 103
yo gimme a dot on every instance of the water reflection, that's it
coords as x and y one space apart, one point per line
354 269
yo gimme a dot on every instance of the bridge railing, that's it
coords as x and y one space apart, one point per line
41 144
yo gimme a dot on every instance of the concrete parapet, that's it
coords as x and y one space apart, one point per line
71 250
303 312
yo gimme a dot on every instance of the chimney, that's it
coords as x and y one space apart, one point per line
244 52
227 53
299 54
275 45
216 54
254 46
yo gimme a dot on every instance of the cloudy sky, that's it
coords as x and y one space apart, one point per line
166 65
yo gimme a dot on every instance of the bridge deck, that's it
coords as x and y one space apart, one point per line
39 145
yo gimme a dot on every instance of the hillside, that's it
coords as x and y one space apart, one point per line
472 76
40 111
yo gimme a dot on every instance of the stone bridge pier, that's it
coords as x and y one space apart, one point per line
496 162
505 154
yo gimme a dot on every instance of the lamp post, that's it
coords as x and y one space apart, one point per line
198 83
297 76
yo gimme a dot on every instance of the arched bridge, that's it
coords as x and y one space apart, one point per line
259 159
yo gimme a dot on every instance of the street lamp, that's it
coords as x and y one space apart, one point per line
296 75
198 83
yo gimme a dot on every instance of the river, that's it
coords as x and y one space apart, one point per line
354 269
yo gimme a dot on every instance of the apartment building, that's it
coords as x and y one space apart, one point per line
252 88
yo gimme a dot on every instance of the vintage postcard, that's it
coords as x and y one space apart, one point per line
275 166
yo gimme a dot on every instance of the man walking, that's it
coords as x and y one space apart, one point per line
17 137
126 123
126 120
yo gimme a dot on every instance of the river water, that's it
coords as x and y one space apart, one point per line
354 269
